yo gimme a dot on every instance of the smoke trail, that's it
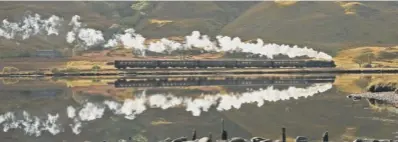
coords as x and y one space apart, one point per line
84 37
29 26
197 40
269 50
87 37
225 44
164 45
128 40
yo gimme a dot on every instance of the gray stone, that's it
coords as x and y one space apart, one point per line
301 139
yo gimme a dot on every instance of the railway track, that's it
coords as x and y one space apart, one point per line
187 69
207 69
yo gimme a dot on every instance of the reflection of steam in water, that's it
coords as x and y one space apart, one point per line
31 125
130 108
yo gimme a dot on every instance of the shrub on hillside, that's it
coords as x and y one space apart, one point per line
10 70
96 68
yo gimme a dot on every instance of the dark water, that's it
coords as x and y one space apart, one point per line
79 109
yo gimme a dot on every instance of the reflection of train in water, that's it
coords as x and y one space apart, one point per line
123 64
192 81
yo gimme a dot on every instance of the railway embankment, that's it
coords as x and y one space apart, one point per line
211 71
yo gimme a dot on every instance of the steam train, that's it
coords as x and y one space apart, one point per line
124 64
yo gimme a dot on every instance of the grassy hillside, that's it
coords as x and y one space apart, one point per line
326 26
376 56
181 18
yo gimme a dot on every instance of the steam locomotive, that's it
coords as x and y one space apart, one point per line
124 64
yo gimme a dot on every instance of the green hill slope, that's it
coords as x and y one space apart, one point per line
181 18
325 25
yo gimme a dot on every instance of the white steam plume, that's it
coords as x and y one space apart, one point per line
84 37
87 37
225 44
29 26
268 50
164 45
128 40
197 40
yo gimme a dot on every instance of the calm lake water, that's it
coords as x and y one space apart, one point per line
97 109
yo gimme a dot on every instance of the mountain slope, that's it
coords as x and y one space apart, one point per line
325 25
182 17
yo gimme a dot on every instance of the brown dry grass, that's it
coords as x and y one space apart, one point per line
161 121
159 23
350 7
348 83
32 64
87 65
285 2
345 58
357 83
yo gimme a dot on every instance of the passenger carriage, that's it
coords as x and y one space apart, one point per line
123 64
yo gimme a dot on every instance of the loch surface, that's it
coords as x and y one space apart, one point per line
97 109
